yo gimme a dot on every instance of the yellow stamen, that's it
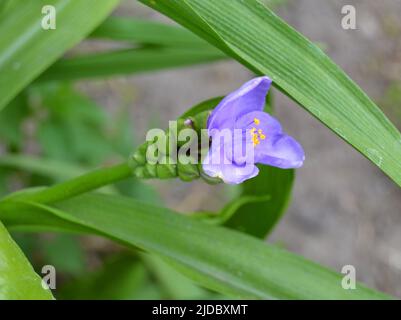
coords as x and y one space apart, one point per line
256 121
255 140
257 134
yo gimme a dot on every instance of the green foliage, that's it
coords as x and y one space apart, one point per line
224 260
121 277
26 49
18 280
65 253
74 127
74 134
127 61
54 169
152 46
262 202
11 121
145 33
174 284
391 102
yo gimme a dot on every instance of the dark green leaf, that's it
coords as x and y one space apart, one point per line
121 277
270 192
221 259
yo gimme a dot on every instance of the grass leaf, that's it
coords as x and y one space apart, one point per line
127 61
18 280
26 49
218 258
146 32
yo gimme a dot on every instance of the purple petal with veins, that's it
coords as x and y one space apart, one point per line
249 97
262 139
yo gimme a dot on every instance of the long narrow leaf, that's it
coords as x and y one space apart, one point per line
148 32
46 167
127 62
26 49
221 259
18 280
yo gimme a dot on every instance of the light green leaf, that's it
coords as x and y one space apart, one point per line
26 49
46 167
127 61
255 36
146 32
221 259
18 280
201 107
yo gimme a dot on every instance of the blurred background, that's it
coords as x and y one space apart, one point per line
344 210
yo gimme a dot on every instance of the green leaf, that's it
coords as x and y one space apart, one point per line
255 36
5 5
46 167
175 285
127 61
148 33
65 253
161 46
4 175
121 277
201 107
74 127
26 49
18 280
11 121
216 257
260 214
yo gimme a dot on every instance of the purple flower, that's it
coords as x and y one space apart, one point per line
250 136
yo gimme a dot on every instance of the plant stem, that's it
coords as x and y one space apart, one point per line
87 182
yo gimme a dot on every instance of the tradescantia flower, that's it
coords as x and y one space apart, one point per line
262 139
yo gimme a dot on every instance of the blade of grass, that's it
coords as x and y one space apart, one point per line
127 61
46 167
18 280
221 259
26 49
146 32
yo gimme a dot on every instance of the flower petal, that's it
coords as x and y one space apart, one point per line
231 173
264 121
220 162
281 151
234 174
249 97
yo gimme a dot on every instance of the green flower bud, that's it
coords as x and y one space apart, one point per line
166 171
